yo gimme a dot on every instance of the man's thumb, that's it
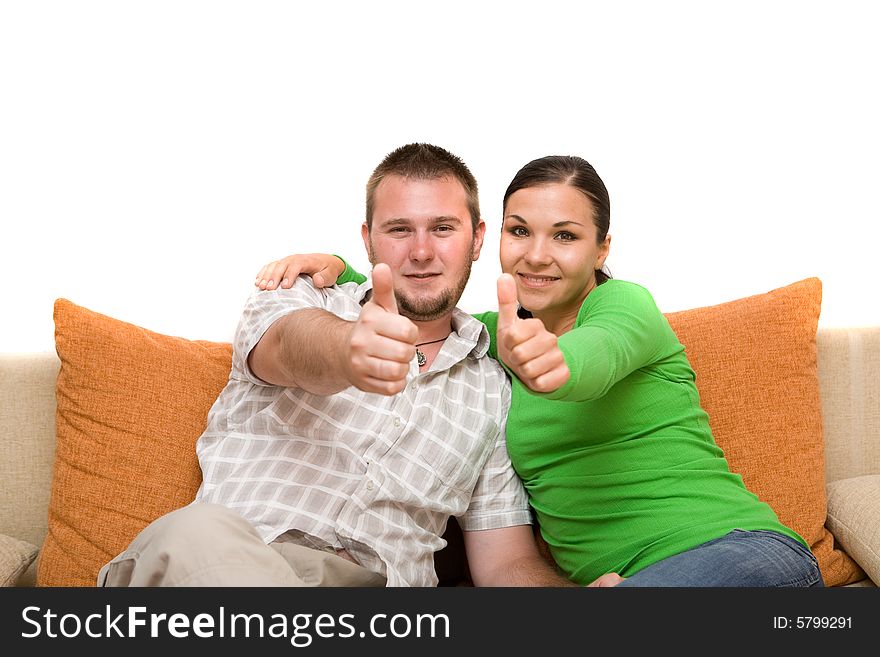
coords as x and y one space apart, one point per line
383 288
507 304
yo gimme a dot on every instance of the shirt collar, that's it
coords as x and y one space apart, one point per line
470 330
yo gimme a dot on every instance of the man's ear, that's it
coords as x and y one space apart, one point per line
365 235
479 234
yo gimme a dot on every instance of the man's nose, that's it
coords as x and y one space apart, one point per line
422 249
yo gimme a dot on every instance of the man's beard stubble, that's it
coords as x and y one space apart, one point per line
426 310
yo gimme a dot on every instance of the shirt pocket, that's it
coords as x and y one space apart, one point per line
455 452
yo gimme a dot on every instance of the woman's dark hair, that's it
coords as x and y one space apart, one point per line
574 171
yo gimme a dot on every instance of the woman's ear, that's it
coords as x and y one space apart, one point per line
603 252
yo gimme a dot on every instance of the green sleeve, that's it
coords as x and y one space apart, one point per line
349 275
619 329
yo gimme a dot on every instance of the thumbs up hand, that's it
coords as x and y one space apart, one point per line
383 289
381 343
525 346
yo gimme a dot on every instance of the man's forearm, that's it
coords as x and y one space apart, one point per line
508 556
306 349
528 571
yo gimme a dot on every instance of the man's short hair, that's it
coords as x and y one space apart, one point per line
425 162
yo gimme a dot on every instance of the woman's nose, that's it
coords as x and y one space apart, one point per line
537 253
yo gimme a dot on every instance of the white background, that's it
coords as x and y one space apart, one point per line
154 154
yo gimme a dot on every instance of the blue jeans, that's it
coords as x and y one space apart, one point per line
740 558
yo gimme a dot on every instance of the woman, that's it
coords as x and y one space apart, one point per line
605 427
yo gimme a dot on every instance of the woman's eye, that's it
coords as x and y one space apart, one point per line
566 236
519 231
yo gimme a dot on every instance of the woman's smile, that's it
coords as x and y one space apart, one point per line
536 280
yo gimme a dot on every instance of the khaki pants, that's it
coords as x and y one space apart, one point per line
211 545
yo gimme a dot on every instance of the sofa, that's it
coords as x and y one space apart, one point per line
97 438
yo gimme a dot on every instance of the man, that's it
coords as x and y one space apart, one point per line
358 419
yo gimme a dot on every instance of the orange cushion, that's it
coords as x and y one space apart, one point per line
131 405
755 360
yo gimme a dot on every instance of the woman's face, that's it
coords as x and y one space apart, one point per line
548 244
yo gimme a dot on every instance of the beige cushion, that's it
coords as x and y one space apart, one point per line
15 557
854 519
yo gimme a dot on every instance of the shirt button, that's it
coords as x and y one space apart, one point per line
369 485
396 422
415 386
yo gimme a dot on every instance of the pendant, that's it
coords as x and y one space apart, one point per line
420 357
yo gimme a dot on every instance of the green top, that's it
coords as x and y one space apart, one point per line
619 463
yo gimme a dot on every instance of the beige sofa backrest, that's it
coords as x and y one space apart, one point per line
849 385
27 442
27 446
849 378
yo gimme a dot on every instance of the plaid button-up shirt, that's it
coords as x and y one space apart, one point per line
374 475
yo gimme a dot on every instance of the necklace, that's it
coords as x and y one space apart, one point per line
420 356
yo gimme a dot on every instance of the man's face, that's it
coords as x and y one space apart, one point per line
422 230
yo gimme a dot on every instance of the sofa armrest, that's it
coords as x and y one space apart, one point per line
854 520
15 558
